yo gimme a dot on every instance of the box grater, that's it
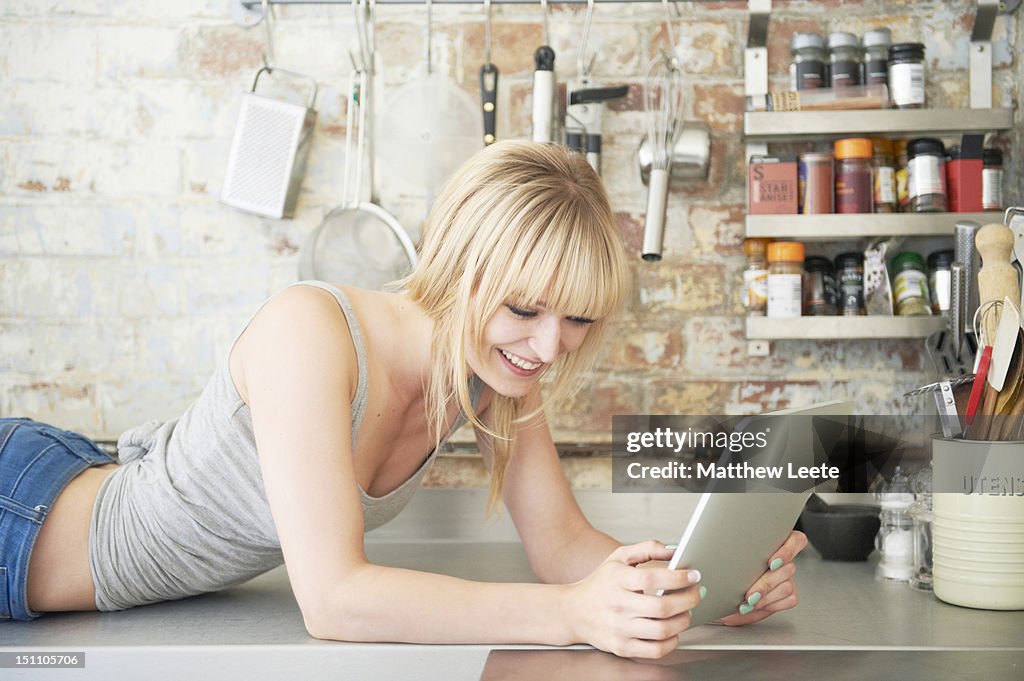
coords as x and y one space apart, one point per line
268 152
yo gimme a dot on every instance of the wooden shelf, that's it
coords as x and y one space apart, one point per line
765 126
841 328
832 227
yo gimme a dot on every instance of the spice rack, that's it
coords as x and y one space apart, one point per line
762 128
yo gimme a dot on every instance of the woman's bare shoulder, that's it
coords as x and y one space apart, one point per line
301 323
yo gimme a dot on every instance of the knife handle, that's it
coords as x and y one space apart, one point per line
489 95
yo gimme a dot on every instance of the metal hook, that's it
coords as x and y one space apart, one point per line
430 66
487 33
670 53
362 12
582 66
268 54
544 13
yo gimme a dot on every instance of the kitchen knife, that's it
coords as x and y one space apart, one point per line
489 97
543 94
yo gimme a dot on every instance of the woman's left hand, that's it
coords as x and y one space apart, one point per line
775 590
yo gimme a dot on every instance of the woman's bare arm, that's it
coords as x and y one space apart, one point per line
298 363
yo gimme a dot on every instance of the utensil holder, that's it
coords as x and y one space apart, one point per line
978 532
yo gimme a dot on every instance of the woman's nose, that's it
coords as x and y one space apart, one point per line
547 340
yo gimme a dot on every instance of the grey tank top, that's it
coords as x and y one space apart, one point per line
187 512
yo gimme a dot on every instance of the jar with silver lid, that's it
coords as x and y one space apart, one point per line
807 70
876 56
844 55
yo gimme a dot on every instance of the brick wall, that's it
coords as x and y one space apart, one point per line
122 279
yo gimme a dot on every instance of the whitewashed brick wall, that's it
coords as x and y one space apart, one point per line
123 279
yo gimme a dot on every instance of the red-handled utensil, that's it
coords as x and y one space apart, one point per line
979 384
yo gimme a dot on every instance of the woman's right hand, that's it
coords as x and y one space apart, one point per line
615 608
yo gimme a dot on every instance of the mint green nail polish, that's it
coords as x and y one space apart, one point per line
671 547
745 609
703 592
775 564
754 599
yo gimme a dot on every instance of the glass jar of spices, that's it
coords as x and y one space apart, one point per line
807 70
850 278
755 277
910 285
926 175
906 75
785 278
844 56
854 191
902 175
939 266
819 286
884 166
876 57
992 179
815 182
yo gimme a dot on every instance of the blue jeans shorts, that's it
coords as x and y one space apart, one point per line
36 462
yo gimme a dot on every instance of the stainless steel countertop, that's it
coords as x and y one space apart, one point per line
848 625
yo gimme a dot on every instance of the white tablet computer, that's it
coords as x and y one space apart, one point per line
731 536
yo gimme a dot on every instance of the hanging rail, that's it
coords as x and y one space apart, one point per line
255 4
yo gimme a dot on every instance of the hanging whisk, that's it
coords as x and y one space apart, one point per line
663 105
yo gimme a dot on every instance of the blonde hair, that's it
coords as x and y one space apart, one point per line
518 223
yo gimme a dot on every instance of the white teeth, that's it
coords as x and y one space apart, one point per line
521 363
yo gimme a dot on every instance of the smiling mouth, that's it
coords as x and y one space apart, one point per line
522 366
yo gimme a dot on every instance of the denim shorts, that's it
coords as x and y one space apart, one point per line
36 462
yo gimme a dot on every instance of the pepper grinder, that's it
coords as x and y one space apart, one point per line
895 539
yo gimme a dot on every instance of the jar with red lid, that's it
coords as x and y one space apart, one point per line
854 189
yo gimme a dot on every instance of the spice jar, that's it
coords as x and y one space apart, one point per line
850 277
755 277
815 182
992 180
926 175
785 278
910 285
819 286
876 58
884 166
807 70
906 75
902 173
854 193
844 59
939 278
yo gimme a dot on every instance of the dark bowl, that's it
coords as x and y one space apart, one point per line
840 531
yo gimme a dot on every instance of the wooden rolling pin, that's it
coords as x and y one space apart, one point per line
997 278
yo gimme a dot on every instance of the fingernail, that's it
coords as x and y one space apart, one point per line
754 598
671 547
775 564
693 576
703 592
745 609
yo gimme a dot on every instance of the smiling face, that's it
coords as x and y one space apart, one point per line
520 342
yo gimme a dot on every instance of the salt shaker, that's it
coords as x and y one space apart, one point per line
895 539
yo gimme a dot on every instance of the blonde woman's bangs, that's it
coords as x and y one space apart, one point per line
572 268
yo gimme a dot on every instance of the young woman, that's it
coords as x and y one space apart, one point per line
326 414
